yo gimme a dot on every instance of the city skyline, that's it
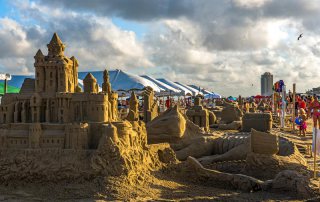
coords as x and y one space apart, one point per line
213 44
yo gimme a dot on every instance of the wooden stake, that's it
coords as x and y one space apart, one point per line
294 106
315 154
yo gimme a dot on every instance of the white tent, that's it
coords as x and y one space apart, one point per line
212 96
204 91
123 81
165 87
184 91
194 91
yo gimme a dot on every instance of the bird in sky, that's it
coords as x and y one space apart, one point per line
299 37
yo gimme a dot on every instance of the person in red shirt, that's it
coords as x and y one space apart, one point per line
168 103
302 104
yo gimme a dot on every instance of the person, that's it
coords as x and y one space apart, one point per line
314 110
302 104
303 124
168 103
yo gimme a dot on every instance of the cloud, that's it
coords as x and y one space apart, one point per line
95 41
140 10
223 46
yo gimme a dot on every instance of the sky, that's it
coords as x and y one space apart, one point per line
221 45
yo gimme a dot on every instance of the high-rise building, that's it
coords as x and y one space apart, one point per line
266 84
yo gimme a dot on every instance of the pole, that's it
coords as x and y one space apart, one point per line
283 106
272 103
5 86
315 154
294 105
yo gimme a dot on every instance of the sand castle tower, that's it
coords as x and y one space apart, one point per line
198 115
90 84
55 72
106 86
133 108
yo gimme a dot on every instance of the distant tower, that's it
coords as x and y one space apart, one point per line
90 84
266 84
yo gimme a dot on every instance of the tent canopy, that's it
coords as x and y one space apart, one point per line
184 91
194 91
212 96
162 85
204 91
123 81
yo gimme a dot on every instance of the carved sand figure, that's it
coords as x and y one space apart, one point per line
133 114
201 116
150 105
187 139
231 116
286 180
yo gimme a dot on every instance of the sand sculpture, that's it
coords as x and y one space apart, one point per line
258 121
230 113
188 139
150 105
285 181
267 163
172 126
201 116
262 106
253 107
245 161
133 114
231 116
183 135
51 131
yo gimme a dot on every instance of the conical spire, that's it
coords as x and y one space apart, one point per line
39 54
56 40
55 47
89 77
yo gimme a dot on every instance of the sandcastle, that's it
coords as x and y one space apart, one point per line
52 131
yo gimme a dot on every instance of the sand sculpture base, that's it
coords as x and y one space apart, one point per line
119 153
261 122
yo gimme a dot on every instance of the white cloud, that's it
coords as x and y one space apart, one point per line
250 3
223 46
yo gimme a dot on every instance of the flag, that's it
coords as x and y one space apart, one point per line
318 140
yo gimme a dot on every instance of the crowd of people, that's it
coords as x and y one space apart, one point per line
305 106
